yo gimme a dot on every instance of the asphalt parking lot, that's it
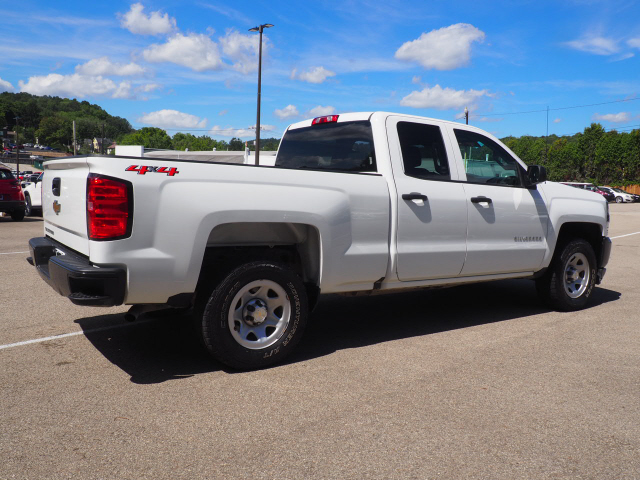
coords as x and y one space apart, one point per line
472 382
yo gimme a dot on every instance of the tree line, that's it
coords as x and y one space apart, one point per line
50 119
595 155
153 137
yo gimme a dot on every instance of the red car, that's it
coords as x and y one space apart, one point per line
11 195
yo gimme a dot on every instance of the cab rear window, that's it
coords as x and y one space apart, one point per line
343 147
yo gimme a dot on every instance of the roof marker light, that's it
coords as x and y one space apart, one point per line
325 119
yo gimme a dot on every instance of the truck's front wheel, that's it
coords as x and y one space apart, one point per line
569 282
255 316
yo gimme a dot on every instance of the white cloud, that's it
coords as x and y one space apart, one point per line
172 119
321 111
612 117
195 51
148 87
313 75
137 22
263 128
75 86
634 42
123 90
443 49
290 111
443 98
242 50
104 66
595 44
5 86
231 132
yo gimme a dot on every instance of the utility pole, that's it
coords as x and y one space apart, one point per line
102 141
466 115
546 138
74 138
17 147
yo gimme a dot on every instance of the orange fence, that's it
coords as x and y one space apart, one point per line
632 189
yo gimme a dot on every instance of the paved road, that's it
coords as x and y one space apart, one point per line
473 382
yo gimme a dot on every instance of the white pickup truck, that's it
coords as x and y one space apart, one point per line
363 203
33 196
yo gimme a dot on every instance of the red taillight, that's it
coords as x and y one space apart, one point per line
325 119
109 207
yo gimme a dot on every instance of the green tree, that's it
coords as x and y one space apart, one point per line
236 144
148 137
55 131
588 144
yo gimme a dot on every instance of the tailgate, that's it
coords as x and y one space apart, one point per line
64 192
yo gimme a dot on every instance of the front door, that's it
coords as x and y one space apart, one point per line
508 222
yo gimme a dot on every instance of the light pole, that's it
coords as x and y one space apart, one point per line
259 29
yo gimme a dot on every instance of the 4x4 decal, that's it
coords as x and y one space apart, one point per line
142 169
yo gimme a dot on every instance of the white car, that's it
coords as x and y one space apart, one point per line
621 195
33 196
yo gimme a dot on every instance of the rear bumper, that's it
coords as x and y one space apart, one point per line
75 277
11 205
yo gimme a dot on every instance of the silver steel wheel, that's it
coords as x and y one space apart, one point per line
619 200
259 314
576 275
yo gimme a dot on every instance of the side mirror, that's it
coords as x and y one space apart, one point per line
536 174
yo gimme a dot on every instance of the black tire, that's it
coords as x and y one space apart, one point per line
568 283
28 210
17 215
619 200
255 316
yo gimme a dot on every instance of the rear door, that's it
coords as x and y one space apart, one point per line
432 209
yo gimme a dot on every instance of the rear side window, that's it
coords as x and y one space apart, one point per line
344 147
6 175
423 152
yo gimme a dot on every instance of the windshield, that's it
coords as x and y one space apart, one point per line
346 147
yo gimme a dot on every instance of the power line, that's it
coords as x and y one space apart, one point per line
555 109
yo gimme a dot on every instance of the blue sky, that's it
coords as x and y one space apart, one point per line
191 66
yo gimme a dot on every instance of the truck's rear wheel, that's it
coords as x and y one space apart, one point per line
255 316
569 282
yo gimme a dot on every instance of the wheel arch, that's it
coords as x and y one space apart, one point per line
590 232
294 244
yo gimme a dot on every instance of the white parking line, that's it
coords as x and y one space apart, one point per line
72 334
12 253
627 235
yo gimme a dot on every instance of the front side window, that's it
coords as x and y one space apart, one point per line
346 147
487 162
423 152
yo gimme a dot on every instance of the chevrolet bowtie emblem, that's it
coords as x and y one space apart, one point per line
56 207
